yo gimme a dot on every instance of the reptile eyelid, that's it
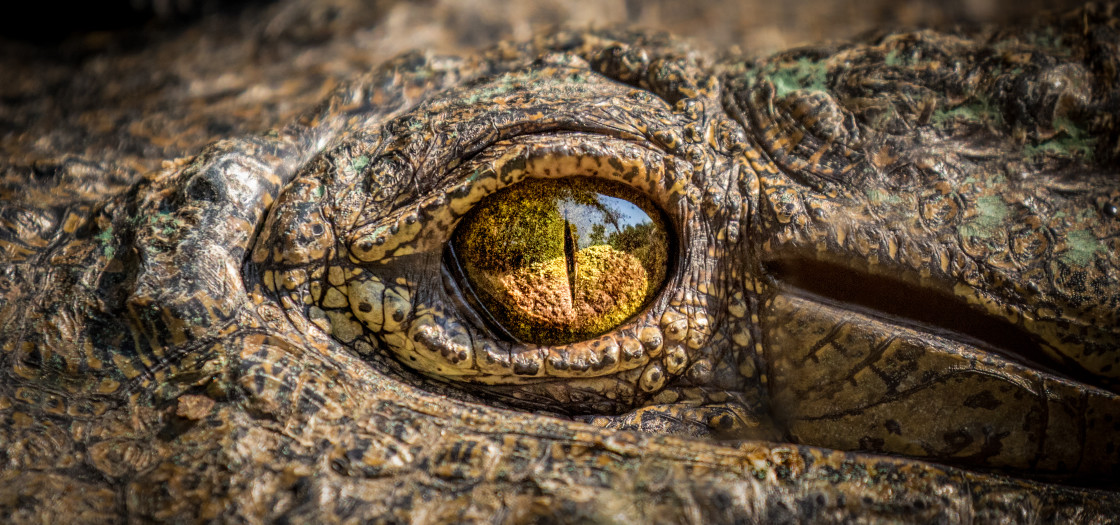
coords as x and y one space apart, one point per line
443 338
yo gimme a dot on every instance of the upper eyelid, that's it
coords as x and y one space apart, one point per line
414 149
426 225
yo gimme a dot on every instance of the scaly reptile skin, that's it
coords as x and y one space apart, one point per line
894 297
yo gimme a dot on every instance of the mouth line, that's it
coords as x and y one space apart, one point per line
899 302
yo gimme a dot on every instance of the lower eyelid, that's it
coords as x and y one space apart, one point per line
432 339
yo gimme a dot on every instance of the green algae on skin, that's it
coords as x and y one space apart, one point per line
1083 246
803 74
992 213
554 261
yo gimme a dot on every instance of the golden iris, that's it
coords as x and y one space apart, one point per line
553 261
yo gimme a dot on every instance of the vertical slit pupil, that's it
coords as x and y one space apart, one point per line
570 258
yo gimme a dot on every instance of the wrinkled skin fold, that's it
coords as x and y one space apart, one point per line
893 296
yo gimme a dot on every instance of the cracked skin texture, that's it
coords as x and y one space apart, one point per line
262 330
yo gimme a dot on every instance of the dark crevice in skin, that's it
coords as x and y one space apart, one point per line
928 310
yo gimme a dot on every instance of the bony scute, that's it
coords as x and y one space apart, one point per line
555 261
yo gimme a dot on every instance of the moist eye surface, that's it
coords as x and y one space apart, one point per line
553 261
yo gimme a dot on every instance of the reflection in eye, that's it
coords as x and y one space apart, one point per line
553 261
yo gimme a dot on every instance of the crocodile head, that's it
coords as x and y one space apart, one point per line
890 291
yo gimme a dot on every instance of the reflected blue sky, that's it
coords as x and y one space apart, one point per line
614 213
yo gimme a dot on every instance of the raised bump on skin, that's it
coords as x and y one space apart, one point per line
674 325
343 326
652 339
366 301
653 378
675 360
397 307
490 359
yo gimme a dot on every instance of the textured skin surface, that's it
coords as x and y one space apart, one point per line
195 344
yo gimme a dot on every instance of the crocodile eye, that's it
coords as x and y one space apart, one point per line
554 261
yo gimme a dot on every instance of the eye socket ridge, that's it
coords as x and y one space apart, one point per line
397 303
